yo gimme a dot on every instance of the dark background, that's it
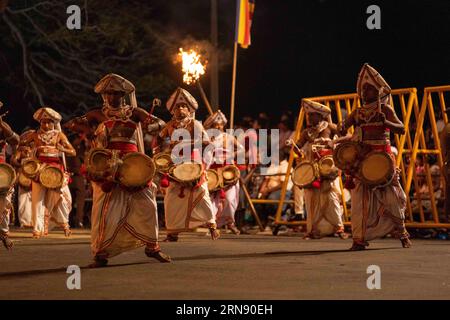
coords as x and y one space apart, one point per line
299 49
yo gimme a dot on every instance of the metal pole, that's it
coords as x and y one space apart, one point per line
250 202
214 63
233 86
205 99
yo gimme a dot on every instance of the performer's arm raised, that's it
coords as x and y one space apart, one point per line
11 137
347 123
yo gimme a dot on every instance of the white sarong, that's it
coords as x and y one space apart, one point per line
377 212
123 220
50 207
225 209
25 216
187 208
5 211
323 208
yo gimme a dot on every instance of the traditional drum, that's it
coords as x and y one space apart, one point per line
346 155
377 169
230 175
31 167
187 173
51 177
304 174
213 180
100 165
23 180
7 177
163 162
327 169
136 170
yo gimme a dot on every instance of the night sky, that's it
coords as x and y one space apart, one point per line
316 47
312 47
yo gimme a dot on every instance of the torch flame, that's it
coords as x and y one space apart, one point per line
191 66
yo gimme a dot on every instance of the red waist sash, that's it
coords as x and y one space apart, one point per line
123 147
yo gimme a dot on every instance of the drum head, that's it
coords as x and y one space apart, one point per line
230 174
98 161
136 170
326 166
51 177
345 155
188 171
163 161
304 174
7 176
24 181
377 168
213 179
30 167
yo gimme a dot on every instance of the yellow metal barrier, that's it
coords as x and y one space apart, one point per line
419 147
405 103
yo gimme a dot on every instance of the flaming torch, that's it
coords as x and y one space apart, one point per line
192 69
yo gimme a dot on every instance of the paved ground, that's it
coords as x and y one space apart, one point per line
234 267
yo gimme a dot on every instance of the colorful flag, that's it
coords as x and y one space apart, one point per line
244 16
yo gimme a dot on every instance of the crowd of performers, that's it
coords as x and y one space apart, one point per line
200 188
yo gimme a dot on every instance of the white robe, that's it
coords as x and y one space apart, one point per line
24 212
377 212
123 220
188 211
323 207
324 211
225 209
5 211
50 207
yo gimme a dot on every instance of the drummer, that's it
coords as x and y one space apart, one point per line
122 219
49 144
7 136
226 150
24 208
186 207
378 211
323 208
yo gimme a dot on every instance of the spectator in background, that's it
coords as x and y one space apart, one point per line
272 186
285 133
440 122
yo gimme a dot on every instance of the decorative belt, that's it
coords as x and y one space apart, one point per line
377 142
50 155
122 139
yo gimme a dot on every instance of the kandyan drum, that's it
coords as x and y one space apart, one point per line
99 166
7 177
163 162
23 180
377 169
51 177
327 169
136 170
346 155
213 180
304 174
187 173
31 167
230 175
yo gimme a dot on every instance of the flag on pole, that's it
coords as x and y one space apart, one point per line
244 16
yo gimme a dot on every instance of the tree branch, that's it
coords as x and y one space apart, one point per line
26 72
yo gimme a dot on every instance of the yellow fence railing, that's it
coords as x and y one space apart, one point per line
409 146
